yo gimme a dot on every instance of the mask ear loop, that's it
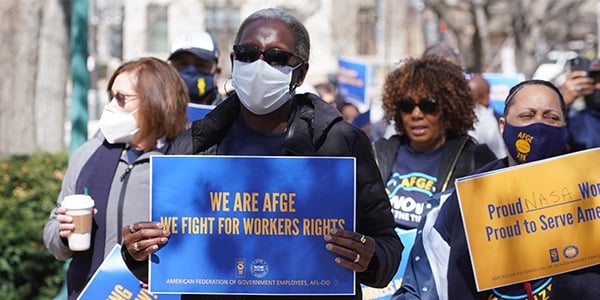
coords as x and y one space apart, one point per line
297 84
294 87
228 87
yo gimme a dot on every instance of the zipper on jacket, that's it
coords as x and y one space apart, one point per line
126 174
453 165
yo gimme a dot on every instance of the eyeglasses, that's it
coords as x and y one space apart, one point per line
427 106
273 56
122 99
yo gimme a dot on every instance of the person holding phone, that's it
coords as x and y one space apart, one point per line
578 82
584 125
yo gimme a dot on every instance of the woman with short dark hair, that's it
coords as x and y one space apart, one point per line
266 117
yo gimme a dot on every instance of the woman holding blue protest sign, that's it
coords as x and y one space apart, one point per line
266 117
145 113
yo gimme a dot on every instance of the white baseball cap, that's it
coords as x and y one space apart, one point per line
199 43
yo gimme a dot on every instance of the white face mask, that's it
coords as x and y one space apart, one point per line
261 88
118 126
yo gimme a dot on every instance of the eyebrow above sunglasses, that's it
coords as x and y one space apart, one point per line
427 106
273 56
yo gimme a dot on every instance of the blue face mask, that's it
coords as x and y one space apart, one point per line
199 84
535 141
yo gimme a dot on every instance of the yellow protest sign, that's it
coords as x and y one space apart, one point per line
533 220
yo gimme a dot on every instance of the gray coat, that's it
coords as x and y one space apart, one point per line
123 207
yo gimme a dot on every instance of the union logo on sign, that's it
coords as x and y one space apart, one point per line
259 268
554 255
570 251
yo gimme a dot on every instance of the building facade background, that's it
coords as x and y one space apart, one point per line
377 32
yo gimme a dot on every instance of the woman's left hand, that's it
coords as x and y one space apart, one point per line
355 249
144 238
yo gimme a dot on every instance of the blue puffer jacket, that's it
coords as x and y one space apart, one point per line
584 127
581 284
441 265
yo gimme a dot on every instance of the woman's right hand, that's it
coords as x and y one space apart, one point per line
577 84
144 238
66 226
65 221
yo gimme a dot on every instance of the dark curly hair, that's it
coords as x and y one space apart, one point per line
434 78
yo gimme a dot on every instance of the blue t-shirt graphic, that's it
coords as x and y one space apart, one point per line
413 180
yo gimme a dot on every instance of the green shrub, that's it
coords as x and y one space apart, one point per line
30 185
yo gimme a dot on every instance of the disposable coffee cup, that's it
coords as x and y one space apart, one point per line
80 207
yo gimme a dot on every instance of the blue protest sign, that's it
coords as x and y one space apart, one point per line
500 85
113 280
197 111
251 225
408 240
353 81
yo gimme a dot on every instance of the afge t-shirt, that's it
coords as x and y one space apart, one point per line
413 180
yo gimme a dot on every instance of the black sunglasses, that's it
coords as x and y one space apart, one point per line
123 99
427 106
274 56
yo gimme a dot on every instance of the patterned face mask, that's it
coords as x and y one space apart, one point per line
199 84
535 141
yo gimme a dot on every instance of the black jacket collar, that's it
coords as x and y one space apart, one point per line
309 123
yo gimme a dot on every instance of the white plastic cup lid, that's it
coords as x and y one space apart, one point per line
78 202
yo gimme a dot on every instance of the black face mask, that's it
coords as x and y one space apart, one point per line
592 101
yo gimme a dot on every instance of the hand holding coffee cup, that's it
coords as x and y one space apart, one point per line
80 208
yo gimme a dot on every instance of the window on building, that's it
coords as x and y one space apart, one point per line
222 23
367 22
157 20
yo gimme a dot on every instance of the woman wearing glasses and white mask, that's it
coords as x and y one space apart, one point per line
146 112
265 117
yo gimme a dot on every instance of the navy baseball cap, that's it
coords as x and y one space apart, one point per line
199 43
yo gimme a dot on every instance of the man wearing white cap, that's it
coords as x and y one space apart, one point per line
196 56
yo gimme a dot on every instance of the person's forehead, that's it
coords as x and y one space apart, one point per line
125 80
478 82
418 92
268 33
537 96
185 59
185 56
